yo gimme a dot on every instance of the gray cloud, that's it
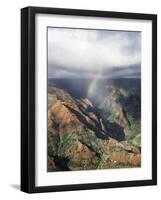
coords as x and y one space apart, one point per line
82 52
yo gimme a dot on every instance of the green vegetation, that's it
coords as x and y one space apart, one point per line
98 145
104 161
116 149
53 142
82 166
67 144
67 147
111 118
134 137
71 139
70 147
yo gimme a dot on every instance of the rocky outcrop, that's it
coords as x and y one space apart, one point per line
125 158
67 115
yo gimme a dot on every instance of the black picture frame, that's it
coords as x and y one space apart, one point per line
28 98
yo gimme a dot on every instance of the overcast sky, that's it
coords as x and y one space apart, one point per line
86 53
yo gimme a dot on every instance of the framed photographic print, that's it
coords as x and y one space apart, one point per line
88 99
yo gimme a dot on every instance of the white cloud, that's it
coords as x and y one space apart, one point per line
92 50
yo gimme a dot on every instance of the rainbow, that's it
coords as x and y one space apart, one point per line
93 85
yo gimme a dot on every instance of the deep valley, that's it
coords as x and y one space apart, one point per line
94 124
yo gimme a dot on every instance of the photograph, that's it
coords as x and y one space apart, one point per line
94 99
